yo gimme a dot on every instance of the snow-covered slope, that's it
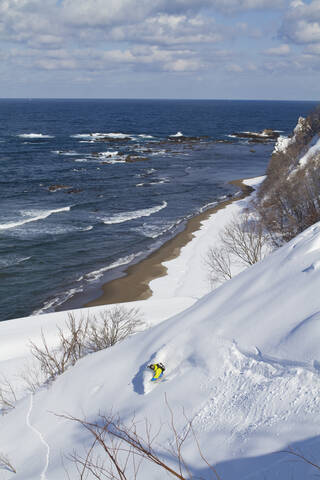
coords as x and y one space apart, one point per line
243 362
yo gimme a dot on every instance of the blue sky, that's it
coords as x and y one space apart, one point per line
244 49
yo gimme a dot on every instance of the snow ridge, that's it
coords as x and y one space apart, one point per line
43 475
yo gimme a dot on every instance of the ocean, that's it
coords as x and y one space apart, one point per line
88 187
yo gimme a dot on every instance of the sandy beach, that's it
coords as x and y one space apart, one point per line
135 284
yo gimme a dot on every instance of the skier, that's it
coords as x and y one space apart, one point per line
158 369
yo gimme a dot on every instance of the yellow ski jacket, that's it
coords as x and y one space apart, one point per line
157 370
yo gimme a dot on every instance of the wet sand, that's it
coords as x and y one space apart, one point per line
135 284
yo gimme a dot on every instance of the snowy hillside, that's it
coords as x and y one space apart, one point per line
243 362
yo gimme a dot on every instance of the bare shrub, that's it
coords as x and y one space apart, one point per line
243 241
32 377
293 205
53 362
6 464
124 450
112 326
7 395
245 238
87 335
218 262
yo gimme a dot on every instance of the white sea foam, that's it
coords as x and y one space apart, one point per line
39 215
94 276
52 304
116 135
156 230
69 153
126 216
34 135
159 152
208 205
97 136
109 160
160 180
145 136
108 154
178 134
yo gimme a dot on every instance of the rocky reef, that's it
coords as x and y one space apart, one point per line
264 136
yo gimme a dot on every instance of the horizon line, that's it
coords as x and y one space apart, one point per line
163 99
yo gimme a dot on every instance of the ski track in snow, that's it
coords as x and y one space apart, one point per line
43 475
256 393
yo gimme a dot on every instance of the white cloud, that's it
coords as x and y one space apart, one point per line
170 30
108 13
234 67
301 25
313 49
280 50
87 36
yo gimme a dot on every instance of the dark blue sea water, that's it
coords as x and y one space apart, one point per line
73 209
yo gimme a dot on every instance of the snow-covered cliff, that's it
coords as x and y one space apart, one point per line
288 199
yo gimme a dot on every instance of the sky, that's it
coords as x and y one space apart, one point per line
219 49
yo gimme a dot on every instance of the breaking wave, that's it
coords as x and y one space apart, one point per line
34 135
127 216
52 304
66 152
40 215
178 134
97 274
97 136
157 230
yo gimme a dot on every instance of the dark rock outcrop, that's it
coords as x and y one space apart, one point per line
55 188
258 137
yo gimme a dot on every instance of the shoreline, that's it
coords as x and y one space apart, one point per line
134 285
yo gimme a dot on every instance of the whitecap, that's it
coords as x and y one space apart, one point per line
116 135
145 136
68 153
156 230
39 215
159 152
108 154
160 180
178 134
127 216
97 136
52 304
94 276
112 162
208 205
34 135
